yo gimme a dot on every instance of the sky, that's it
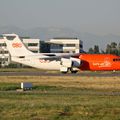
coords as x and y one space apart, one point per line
93 16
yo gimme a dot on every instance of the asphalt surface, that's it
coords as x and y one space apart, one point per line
41 73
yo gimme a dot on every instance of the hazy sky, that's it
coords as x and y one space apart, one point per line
94 16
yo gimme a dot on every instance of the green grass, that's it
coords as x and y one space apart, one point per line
60 98
58 105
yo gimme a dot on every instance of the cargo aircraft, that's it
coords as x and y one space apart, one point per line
63 62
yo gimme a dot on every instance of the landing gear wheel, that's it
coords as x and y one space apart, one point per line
74 71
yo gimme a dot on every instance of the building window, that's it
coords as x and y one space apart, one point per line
56 46
3 59
56 51
3 45
70 45
32 44
3 52
10 37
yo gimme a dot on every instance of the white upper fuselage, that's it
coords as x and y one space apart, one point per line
38 62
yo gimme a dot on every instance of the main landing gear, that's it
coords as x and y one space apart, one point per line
65 70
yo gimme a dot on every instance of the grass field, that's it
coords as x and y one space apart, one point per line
60 98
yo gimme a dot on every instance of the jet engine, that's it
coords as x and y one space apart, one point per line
75 62
71 64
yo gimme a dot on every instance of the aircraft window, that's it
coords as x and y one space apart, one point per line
21 56
113 59
10 37
116 59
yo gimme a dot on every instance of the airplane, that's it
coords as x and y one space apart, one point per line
63 62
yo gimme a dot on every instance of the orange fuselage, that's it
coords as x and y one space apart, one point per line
97 62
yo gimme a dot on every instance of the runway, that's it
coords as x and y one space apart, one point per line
42 73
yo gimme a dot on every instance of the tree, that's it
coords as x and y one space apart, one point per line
113 45
96 49
108 49
119 49
103 52
91 51
114 48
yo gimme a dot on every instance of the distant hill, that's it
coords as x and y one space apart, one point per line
45 33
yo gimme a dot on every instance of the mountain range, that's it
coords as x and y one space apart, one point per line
46 33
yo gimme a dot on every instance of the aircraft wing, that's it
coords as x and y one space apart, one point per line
49 56
67 55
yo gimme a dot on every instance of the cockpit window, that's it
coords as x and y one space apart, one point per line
10 37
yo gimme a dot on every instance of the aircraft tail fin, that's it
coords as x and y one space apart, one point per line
15 45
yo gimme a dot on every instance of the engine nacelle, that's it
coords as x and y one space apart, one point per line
75 62
71 64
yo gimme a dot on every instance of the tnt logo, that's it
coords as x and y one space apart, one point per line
16 45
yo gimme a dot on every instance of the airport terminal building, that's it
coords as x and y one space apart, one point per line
65 45
4 54
55 45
